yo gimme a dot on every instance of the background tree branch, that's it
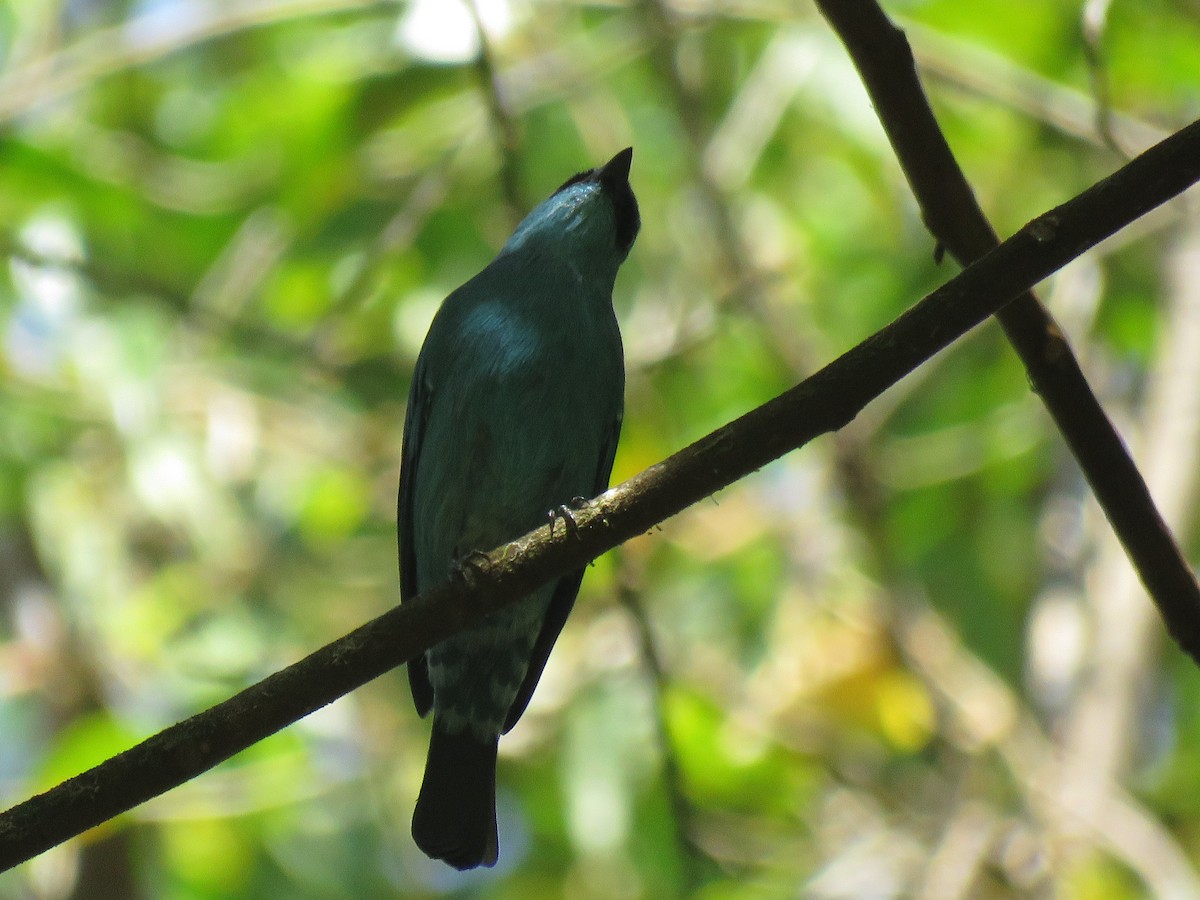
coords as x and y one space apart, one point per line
884 59
824 402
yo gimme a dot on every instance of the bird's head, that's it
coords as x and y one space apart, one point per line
591 221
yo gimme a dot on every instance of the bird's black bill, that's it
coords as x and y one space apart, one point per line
616 170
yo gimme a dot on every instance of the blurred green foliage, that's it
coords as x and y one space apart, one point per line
226 226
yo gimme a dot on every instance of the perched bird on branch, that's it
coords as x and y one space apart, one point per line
514 412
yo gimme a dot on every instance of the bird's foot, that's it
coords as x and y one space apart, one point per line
566 512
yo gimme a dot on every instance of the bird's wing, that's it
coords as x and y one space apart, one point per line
563 598
415 418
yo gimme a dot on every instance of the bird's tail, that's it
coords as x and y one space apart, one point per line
455 818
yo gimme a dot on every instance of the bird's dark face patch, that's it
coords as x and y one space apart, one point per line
628 220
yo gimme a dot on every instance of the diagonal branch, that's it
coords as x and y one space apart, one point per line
884 59
824 402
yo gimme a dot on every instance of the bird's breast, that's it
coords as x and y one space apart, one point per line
522 408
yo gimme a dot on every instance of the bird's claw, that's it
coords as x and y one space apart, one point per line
564 512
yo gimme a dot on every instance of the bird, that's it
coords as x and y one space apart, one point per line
514 412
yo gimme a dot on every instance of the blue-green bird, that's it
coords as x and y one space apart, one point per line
514 412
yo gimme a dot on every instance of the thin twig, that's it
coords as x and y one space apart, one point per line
504 123
681 809
142 41
1094 24
989 716
983 73
114 283
1101 728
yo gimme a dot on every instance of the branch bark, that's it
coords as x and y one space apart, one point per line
824 402
884 60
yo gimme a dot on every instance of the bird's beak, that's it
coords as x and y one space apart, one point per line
616 170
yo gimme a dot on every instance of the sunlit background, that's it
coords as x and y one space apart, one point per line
908 660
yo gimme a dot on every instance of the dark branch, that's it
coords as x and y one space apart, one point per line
884 59
822 403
